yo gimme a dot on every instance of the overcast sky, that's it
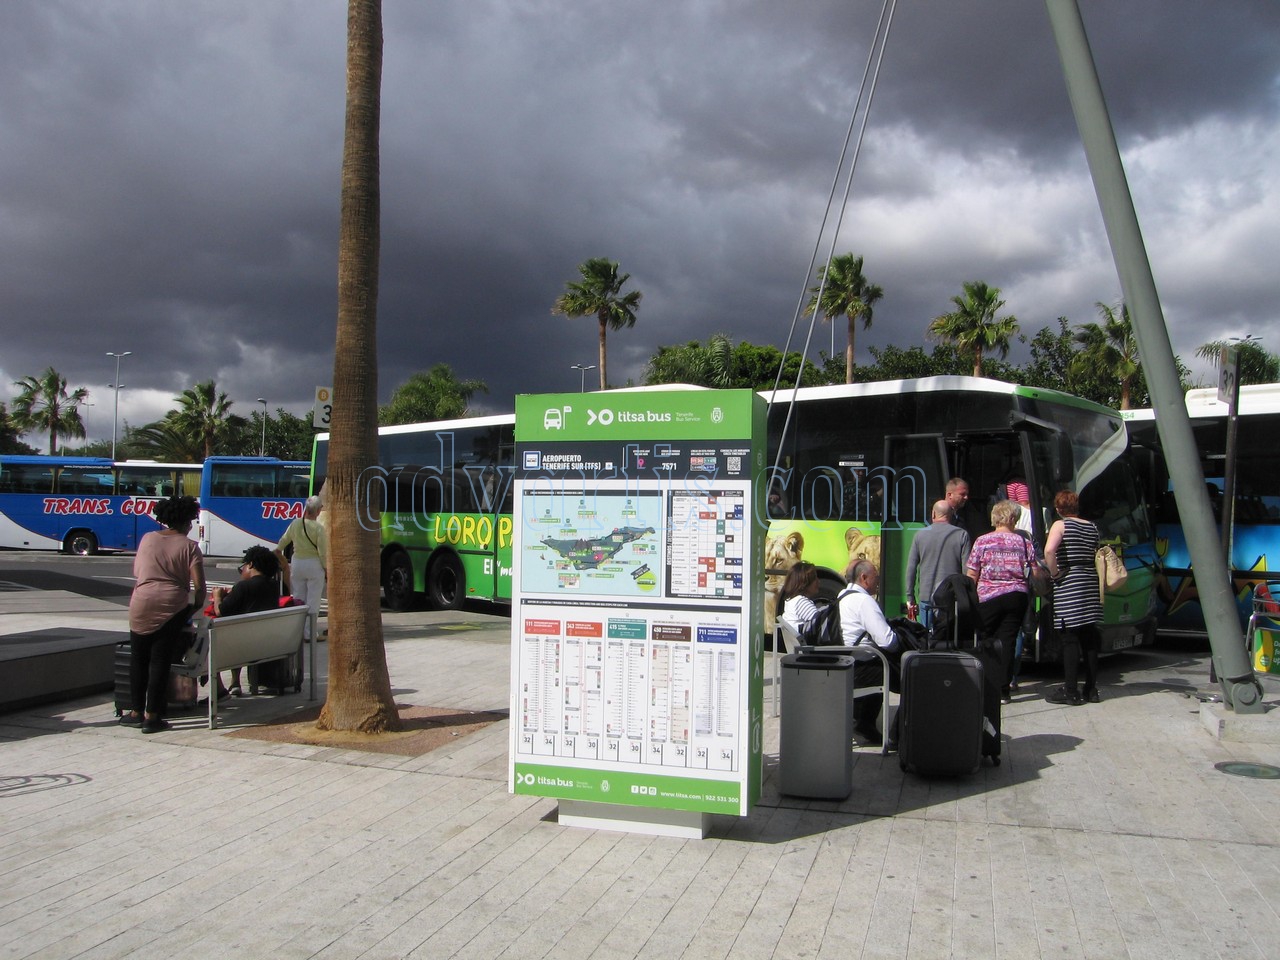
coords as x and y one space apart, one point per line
169 179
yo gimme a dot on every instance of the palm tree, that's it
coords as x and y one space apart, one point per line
842 291
204 415
1253 364
359 695
973 327
45 405
164 440
1109 351
598 296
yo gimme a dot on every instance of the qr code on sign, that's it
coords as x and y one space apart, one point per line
734 464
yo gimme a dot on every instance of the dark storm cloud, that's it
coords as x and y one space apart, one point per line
170 172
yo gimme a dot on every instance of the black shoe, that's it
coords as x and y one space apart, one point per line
155 726
1064 696
1006 696
130 720
1092 696
891 746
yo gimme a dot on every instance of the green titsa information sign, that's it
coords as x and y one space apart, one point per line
635 631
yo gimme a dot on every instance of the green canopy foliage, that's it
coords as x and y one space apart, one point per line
9 434
436 394
718 363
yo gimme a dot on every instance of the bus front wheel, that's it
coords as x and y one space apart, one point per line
82 543
397 582
446 583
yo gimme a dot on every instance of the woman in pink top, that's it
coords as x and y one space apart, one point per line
998 564
166 568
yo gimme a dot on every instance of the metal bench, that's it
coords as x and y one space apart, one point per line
224 643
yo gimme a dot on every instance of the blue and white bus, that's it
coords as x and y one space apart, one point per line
248 500
85 504
1255 540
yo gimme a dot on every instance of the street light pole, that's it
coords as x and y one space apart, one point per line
583 368
115 416
262 451
1229 368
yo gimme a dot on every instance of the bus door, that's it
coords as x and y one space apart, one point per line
915 478
1050 466
987 461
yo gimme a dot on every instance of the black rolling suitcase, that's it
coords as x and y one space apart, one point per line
183 691
940 717
278 675
949 714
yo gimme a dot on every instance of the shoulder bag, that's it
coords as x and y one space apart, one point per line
1039 583
1111 569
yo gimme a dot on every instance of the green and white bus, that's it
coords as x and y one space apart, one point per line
859 466
855 467
442 492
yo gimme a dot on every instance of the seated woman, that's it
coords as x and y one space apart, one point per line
797 594
258 589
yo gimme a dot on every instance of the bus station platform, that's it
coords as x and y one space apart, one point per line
1119 829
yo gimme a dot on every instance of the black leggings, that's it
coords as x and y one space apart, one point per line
150 657
1086 639
1001 620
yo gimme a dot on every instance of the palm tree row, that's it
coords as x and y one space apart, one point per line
974 328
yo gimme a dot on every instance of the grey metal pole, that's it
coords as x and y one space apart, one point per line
115 414
1229 451
1240 688
262 451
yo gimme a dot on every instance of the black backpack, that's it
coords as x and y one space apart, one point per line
824 630
954 620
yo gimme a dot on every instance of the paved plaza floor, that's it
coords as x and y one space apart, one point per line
1105 832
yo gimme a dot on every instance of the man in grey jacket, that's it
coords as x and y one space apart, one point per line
938 551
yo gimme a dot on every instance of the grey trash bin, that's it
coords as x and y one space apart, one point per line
815 754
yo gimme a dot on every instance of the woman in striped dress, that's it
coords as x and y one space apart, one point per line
1069 553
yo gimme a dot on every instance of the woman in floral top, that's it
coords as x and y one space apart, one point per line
998 564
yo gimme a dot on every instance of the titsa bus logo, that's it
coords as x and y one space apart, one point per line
604 417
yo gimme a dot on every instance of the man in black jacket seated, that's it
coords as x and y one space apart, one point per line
258 589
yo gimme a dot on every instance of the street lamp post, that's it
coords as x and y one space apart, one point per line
1229 365
262 451
583 368
115 415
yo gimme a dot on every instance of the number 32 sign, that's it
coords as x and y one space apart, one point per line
323 409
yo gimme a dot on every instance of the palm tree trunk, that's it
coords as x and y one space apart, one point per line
977 361
848 351
359 696
604 381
